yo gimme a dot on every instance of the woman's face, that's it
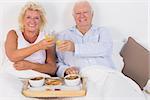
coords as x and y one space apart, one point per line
32 21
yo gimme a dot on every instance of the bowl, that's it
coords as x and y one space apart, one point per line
72 80
37 81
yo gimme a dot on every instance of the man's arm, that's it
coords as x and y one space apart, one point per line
61 66
100 47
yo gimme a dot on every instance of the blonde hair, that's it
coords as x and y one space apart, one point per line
34 7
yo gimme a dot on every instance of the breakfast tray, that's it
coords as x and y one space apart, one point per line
53 91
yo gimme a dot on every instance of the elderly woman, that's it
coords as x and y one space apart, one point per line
27 48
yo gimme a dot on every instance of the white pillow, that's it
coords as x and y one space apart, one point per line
119 39
117 59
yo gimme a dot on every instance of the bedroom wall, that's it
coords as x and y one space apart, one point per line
124 17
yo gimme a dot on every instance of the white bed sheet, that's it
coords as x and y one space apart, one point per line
10 87
102 84
106 84
8 68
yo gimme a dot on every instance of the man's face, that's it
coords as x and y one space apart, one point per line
83 15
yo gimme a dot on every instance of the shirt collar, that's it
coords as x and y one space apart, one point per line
75 30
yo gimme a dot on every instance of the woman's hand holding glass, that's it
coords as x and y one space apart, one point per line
46 43
50 37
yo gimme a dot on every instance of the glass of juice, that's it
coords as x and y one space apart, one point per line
58 42
50 35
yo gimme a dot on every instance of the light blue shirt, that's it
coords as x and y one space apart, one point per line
93 48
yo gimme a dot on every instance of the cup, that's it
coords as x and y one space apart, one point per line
50 35
58 42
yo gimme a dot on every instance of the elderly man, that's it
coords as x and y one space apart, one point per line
87 49
83 44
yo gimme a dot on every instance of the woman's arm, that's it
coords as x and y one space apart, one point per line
15 54
49 67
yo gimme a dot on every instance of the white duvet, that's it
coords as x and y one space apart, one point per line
8 68
106 84
102 84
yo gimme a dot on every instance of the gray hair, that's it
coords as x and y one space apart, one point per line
82 1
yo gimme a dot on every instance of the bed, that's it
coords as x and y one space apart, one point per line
102 83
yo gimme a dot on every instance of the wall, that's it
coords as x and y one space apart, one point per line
124 17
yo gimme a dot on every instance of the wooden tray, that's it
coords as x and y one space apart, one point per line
45 92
